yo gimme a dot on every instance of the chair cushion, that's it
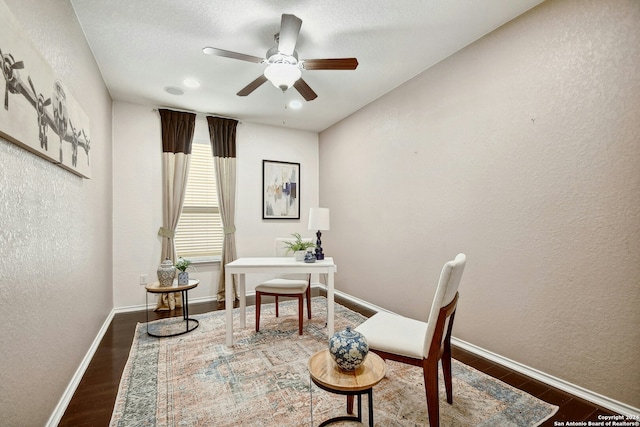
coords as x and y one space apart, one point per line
395 334
283 286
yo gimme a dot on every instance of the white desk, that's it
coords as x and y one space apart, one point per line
273 265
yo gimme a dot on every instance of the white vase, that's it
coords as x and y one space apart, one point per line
166 273
299 255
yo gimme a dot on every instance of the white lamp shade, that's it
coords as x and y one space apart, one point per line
319 219
282 75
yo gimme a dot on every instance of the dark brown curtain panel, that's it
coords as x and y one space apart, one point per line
177 131
222 133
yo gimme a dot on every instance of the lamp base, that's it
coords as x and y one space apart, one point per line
319 253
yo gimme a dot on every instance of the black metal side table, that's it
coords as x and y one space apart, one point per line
189 323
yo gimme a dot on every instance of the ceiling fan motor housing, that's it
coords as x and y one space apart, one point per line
274 56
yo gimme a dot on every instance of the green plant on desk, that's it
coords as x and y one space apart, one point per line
298 244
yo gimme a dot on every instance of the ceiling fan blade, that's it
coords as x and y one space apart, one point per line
289 30
233 55
252 86
304 89
330 64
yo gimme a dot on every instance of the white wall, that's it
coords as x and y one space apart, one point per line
55 233
137 205
521 150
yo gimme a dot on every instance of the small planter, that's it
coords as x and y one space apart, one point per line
181 266
183 278
298 246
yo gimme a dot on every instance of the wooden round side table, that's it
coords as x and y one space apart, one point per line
326 374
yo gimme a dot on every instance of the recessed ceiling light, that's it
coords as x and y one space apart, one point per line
296 104
192 83
174 90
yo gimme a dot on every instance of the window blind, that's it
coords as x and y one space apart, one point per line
199 232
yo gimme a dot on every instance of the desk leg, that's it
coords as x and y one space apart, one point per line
228 306
315 278
330 308
242 294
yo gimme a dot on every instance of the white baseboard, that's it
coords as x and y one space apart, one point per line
61 407
142 307
576 390
356 300
591 396
63 403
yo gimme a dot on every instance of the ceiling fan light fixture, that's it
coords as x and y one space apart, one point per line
282 75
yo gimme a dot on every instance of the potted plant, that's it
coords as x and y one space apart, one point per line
298 246
183 276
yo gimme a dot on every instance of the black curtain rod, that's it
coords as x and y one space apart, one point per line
197 113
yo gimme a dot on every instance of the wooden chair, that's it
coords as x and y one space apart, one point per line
295 286
417 343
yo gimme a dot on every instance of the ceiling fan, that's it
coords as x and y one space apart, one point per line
284 69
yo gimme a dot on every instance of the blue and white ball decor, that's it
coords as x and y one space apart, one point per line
348 348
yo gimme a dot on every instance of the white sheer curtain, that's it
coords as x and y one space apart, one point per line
177 136
222 133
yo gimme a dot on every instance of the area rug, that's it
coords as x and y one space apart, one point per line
196 380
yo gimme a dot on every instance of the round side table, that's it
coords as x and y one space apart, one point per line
325 373
155 288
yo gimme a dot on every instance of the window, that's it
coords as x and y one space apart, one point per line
199 233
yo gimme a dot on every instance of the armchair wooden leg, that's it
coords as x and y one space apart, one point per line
309 302
430 373
446 360
258 297
277 312
300 313
446 371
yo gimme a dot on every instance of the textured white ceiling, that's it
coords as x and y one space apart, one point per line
143 46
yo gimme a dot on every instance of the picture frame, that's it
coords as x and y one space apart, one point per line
39 112
280 190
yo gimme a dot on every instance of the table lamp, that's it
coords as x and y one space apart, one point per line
319 220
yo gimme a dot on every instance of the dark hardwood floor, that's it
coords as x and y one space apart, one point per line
93 401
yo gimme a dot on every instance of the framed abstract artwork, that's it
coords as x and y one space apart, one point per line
280 190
